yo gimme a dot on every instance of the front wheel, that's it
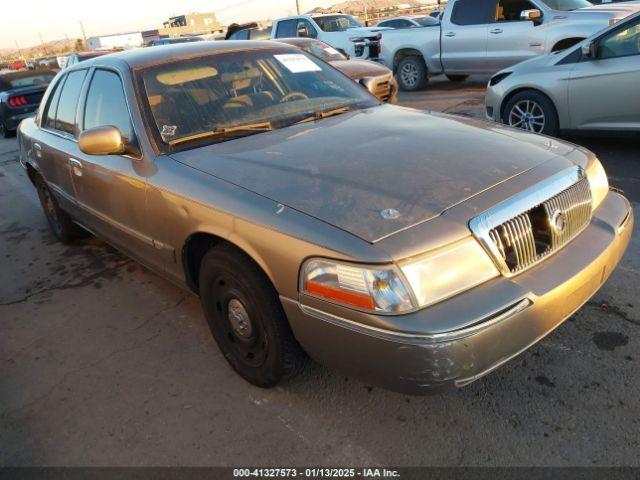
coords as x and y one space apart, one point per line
532 111
246 318
412 74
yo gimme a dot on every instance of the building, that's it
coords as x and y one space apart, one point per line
190 24
117 41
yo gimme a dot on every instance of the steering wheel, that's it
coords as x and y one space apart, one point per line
294 96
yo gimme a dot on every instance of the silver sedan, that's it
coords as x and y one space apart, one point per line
590 87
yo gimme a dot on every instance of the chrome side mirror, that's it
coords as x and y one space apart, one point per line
590 50
531 15
102 141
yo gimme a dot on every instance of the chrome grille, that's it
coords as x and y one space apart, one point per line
539 229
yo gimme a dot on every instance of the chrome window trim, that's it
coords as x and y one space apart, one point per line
520 203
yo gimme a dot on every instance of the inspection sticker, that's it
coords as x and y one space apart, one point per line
297 63
169 130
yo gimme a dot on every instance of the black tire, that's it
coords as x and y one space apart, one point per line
246 318
6 133
457 78
412 74
60 223
537 107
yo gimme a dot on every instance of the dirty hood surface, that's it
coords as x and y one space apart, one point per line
346 170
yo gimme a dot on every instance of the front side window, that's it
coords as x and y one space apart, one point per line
473 12
68 103
287 29
621 43
337 23
220 97
510 10
106 104
306 29
567 5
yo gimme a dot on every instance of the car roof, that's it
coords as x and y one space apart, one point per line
146 57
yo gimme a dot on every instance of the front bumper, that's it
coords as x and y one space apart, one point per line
493 102
499 319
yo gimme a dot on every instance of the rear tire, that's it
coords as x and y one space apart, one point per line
457 78
60 222
412 74
6 133
246 318
532 111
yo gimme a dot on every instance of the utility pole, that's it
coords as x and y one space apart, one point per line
84 35
46 52
19 51
298 6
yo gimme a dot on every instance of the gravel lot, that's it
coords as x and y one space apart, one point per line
104 363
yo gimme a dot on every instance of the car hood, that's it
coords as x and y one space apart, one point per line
357 69
610 10
375 172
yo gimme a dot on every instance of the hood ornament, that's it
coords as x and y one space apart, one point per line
390 214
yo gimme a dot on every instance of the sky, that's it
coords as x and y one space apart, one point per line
54 19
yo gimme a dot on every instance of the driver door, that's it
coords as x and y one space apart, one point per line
604 92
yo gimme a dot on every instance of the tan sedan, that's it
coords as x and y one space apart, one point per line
310 218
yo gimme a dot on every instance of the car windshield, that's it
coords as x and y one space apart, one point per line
567 5
337 23
220 97
426 21
28 79
323 51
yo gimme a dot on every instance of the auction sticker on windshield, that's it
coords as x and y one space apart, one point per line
297 63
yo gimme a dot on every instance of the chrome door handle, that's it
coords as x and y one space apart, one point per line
37 146
76 166
450 34
496 31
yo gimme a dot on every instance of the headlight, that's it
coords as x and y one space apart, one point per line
416 283
374 289
496 79
598 181
449 271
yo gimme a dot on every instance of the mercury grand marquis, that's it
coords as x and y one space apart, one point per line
416 251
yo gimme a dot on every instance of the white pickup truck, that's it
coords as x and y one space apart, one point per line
485 36
342 32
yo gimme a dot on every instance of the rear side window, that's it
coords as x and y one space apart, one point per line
287 29
68 103
263 34
473 12
49 118
106 104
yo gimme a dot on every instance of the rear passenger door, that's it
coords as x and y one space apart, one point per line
60 138
111 189
464 36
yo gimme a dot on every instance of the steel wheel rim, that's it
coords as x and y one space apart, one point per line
527 115
409 74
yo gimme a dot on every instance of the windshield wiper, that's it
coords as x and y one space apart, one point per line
225 131
321 115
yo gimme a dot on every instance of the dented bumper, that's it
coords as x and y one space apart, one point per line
486 326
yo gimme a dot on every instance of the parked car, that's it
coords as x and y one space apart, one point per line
343 32
409 21
20 95
593 86
78 57
309 216
248 31
485 36
173 40
376 78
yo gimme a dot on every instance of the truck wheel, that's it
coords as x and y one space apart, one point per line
532 111
246 318
60 223
457 78
412 74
